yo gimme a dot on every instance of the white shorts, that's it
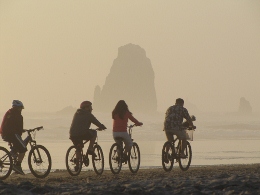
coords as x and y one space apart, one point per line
126 139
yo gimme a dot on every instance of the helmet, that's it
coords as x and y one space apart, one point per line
193 118
17 103
85 104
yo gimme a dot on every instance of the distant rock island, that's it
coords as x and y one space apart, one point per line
131 78
67 110
244 106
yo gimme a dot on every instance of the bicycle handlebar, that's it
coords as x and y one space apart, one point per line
131 126
191 128
37 128
98 129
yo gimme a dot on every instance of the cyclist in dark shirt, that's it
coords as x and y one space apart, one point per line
173 122
80 131
11 131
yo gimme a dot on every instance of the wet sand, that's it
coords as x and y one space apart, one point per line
217 179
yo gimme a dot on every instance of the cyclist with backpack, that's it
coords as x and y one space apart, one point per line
11 131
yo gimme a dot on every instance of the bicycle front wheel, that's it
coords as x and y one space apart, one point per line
115 158
184 162
6 163
73 164
134 158
98 161
39 161
167 156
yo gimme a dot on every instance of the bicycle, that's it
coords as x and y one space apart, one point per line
116 155
6 163
37 158
171 153
72 160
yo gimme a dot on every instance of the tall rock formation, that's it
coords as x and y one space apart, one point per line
244 107
131 78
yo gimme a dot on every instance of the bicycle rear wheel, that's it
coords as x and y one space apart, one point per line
167 156
115 158
6 163
134 158
73 164
39 161
98 161
184 163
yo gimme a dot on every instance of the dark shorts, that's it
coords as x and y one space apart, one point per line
179 134
17 142
78 140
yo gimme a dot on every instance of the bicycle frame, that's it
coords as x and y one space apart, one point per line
29 139
84 157
38 155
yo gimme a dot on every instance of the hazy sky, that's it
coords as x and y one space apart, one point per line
54 53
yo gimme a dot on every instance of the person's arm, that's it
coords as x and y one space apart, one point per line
188 118
134 120
168 113
96 122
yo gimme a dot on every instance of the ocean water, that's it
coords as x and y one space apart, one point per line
218 139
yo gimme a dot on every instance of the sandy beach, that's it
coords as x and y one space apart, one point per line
217 179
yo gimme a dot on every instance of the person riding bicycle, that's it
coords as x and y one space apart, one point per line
120 116
79 129
11 131
173 123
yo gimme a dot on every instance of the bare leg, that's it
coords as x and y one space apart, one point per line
91 143
127 150
183 145
170 138
20 157
78 156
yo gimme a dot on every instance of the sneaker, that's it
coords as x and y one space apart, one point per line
76 168
125 158
91 152
165 158
18 169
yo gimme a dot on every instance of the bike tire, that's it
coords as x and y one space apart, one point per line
71 162
98 161
115 158
134 158
6 163
39 161
167 156
184 163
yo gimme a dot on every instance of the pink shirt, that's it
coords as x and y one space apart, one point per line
120 125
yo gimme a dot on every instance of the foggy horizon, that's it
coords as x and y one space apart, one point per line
54 53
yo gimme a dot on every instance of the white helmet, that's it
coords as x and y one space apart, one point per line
17 103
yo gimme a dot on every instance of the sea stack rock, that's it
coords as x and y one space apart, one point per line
244 106
131 78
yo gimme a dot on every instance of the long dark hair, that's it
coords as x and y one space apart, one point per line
120 109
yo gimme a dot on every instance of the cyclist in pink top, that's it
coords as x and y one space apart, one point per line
120 116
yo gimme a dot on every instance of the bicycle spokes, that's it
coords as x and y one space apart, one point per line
6 163
185 160
115 158
98 161
167 156
39 161
134 158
